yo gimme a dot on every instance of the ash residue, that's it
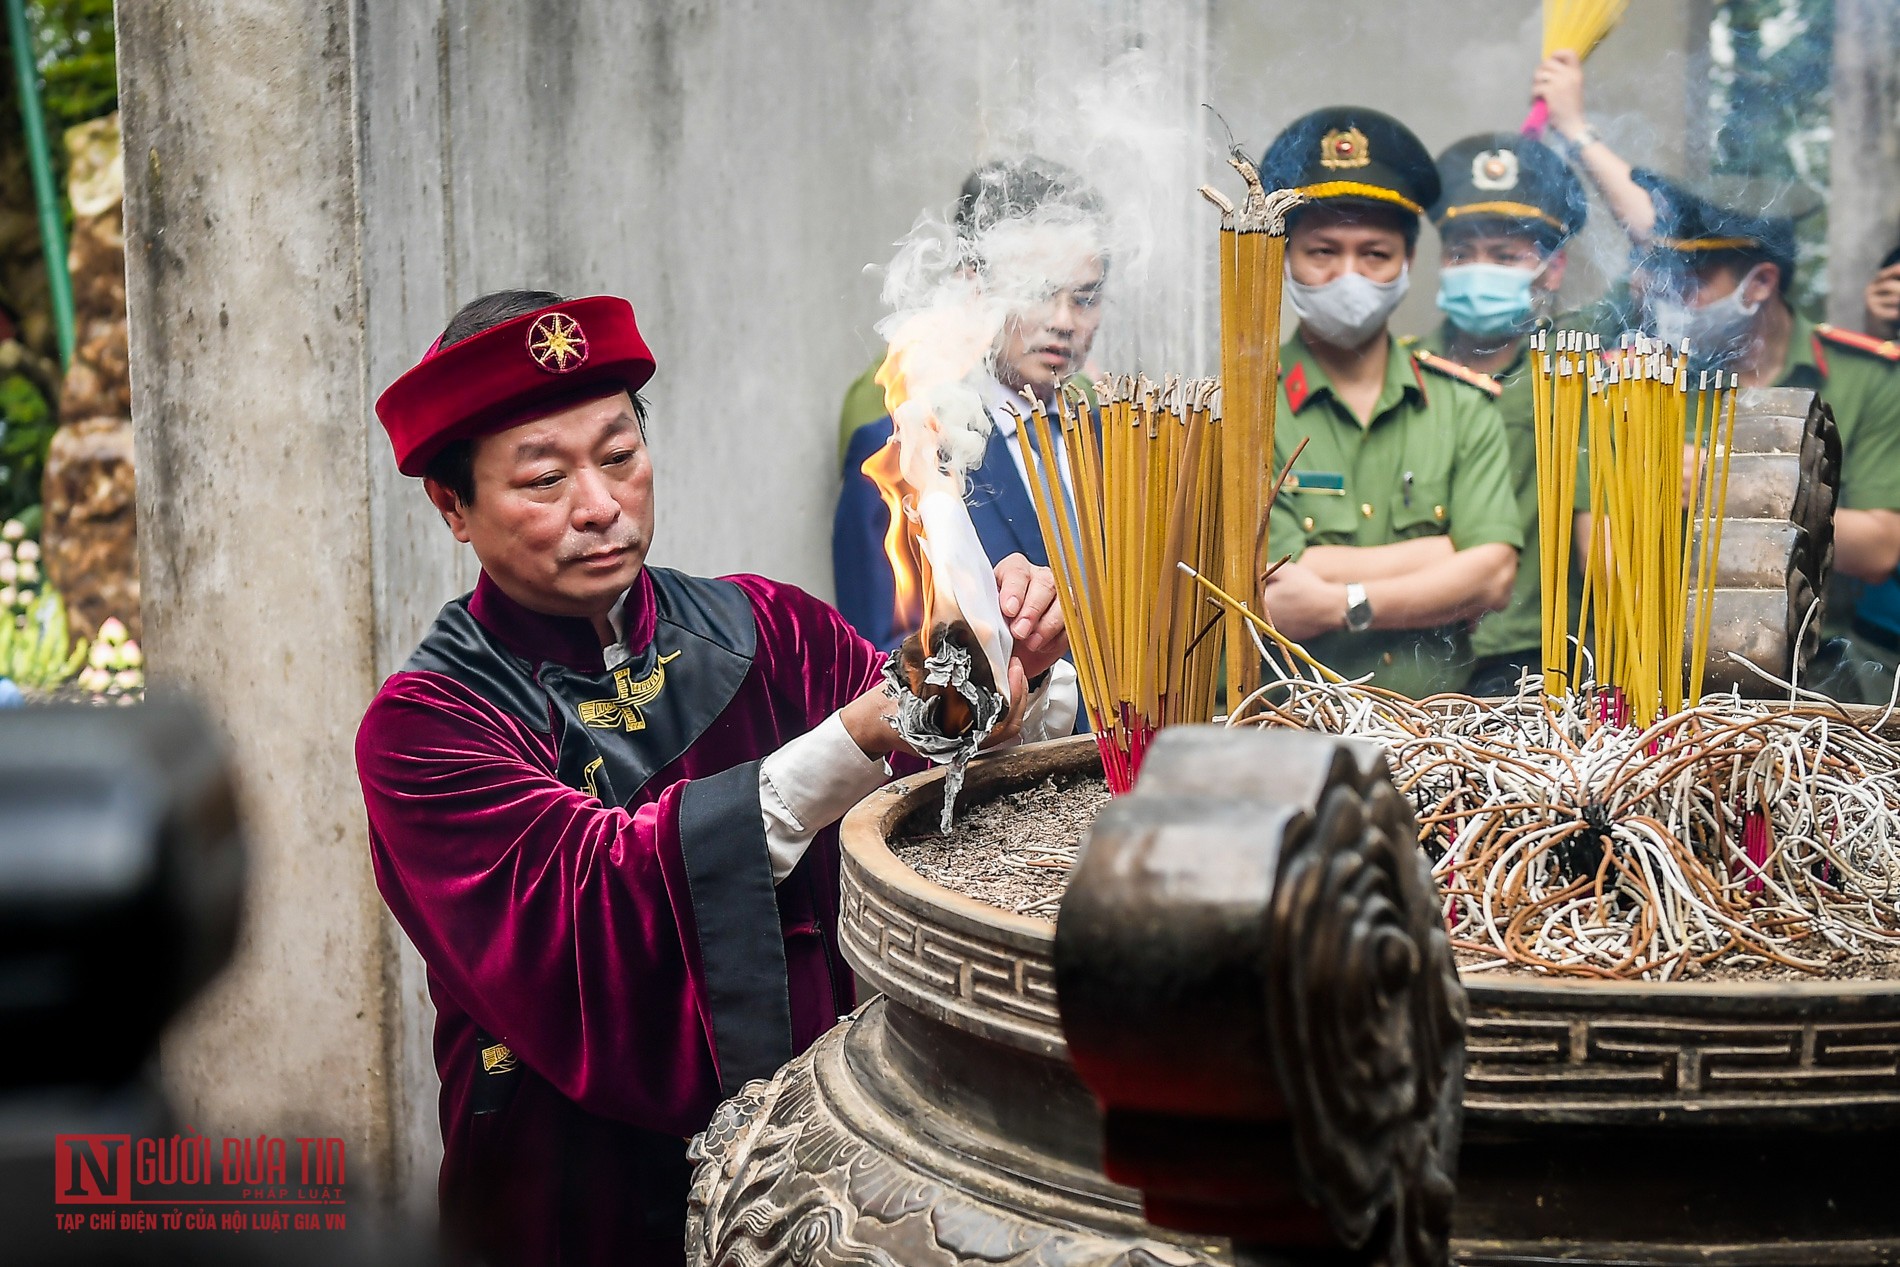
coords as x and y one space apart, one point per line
1014 852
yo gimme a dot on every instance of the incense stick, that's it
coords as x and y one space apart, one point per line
1653 541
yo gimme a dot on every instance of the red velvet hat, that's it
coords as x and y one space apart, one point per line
524 368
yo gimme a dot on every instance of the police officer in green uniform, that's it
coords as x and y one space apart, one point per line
1715 267
1399 512
1727 296
1508 207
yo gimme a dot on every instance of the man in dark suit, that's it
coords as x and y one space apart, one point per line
1043 341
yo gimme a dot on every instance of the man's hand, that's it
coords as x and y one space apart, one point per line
1302 605
1028 597
867 719
1010 724
1559 81
1883 301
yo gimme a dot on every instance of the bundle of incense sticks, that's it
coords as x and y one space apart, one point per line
1171 489
1577 25
1119 507
1252 271
1656 510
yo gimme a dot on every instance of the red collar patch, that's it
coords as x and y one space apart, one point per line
1296 391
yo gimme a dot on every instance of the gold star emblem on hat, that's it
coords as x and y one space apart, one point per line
1344 147
557 343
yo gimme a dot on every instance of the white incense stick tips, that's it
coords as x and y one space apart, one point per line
1215 196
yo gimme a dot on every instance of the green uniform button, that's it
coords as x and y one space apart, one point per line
1438 512
1386 658
1307 523
1365 508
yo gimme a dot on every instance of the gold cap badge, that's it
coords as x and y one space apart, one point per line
1494 169
1343 148
557 343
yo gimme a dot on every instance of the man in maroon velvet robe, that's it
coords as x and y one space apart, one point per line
602 796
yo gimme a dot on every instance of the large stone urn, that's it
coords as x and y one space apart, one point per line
1604 1122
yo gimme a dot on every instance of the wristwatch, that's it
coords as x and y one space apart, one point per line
1358 608
1573 149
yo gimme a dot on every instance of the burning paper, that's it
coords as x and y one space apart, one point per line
981 311
952 677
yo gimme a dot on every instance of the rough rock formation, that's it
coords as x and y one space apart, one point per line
90 533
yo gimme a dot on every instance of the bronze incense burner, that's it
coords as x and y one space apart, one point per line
1604 1122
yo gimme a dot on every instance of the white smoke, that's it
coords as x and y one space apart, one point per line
1129 150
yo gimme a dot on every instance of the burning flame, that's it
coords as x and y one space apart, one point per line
931 352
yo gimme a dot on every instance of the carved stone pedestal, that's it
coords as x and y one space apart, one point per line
866 1150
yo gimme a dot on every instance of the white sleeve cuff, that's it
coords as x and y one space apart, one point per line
1051 711
808 784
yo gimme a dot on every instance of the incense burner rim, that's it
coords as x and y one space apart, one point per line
964 963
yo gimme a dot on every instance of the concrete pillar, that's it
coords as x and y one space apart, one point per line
245 293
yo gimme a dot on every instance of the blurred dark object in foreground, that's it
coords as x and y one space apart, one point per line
121 880
121 871
1255 982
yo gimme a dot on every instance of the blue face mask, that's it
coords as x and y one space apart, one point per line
1486 299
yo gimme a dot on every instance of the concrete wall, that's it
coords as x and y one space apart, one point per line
1864 204
313 188
245 293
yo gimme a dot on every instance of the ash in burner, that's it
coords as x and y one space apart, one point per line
1014 852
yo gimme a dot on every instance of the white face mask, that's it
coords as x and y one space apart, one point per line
1717 332
1347 311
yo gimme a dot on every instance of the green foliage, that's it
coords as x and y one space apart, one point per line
1770 106
27 423
37 650
79 66
74 49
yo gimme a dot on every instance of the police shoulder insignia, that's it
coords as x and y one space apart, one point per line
1885 349
1464 374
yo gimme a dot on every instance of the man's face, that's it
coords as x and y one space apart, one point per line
1709 283
1326 243
1508 250
563 510
1044 343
